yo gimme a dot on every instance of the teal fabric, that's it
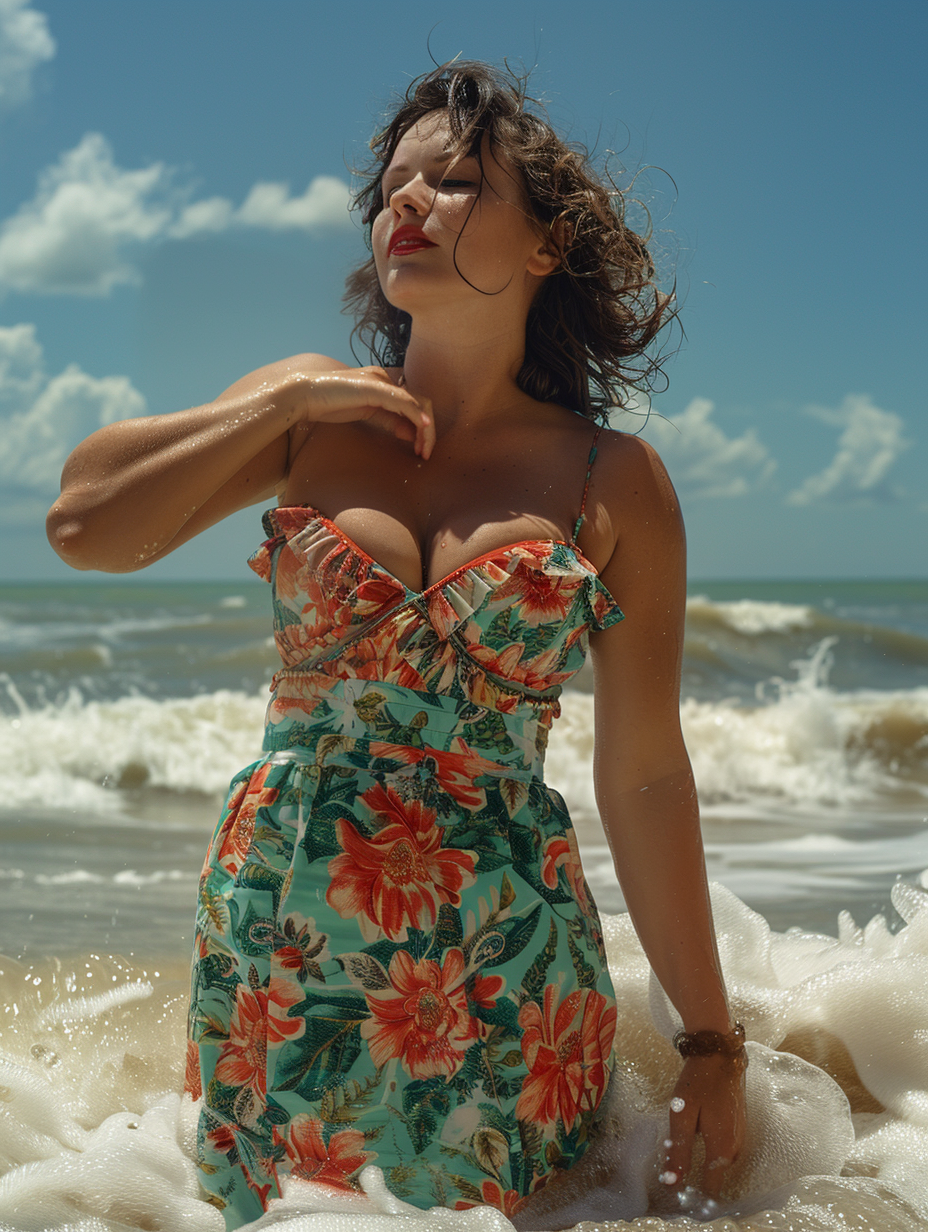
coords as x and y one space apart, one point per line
398 960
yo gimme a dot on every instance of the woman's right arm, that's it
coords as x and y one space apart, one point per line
137 489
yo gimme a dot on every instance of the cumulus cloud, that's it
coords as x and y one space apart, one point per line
72 235
42 418
24 43
82 230
870 442
702 460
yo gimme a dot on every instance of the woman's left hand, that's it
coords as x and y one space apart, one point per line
709 1100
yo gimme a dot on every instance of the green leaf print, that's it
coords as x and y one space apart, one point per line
489 731
340 1104
491 1150
468 1189
364 971
537 975
423 1102
586 976
330 1046
516 933
401 1178
504 1014
448 930
254 932
470 1073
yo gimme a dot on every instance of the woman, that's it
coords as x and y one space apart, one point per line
398 960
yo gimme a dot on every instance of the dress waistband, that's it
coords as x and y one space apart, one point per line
312 713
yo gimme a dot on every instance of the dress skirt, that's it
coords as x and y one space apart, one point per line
398 961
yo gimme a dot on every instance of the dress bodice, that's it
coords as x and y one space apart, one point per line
508 628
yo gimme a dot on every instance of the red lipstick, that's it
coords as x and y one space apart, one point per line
407 239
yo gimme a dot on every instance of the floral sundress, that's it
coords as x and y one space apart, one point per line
398 960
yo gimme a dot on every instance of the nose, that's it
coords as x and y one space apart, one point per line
413 197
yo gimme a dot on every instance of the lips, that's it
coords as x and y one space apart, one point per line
407 239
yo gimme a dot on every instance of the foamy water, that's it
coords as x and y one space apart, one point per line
96 1137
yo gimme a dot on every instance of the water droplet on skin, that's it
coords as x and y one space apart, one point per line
677 1104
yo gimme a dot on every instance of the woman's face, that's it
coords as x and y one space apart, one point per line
446 224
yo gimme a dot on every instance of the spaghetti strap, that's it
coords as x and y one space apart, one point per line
586 486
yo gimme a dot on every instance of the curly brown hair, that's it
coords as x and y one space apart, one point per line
593 319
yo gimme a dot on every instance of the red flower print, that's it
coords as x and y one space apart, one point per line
442 614
378 658
507 663
508 1201
455 768
222 1139
423 1017
566 1048
281 997
561 851
259 1018
238 829
333 1163
303 948
377 594
192 1084
486 990
539 596
556 852
399 877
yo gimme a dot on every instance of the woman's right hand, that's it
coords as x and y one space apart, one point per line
343 395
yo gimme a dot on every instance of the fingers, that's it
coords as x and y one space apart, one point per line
679 1146
716 1167
720 1124
372 394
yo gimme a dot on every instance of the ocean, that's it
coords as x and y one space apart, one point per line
126 707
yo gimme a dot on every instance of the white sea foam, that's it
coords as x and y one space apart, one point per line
803 745
751 616
79 751
94 1136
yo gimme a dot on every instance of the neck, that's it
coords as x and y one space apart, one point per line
469 376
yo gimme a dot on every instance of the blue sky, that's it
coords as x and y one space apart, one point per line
172 214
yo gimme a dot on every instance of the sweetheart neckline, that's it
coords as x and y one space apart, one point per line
471 564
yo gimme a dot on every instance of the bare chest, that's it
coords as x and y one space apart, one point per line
424 520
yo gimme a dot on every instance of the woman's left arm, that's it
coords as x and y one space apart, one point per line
647 797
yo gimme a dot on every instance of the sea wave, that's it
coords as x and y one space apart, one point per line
801 744
798 743
750 616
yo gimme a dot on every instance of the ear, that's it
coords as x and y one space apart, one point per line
548 256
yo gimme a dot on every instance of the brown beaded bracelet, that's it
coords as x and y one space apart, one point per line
714 1043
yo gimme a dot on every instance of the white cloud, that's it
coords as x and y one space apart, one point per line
24 43
271 206
71 236
42 418
80 232
702 460
868 446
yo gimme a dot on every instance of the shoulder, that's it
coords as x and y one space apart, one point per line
312 361
631 499
630 468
